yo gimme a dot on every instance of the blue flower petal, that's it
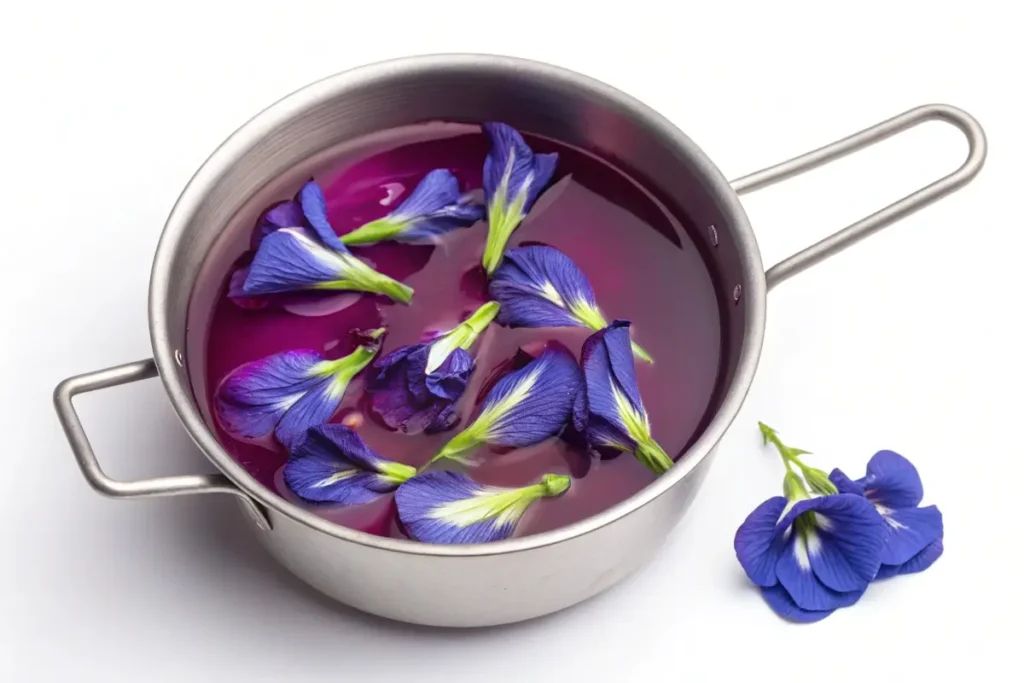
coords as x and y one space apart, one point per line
539 286
756 543
253 398
513 179
292 259
802 584
449 381
434 208
314 208
315 407
908 532
844 484
533 403
918 563
526 406
893 481
287 214
333 464
449 507
845 542
780 602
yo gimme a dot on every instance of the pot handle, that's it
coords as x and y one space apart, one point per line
833 244
146 488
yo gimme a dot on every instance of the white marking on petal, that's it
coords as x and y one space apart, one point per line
495 412
549 292
321 253
822 521
335 478
893 523
800 552
504 506
813 541
635 423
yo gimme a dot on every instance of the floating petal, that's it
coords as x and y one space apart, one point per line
287 392
287 214
333 464
292 259
892 481
314 208
434 208
526 406
513 179
617 417
448 507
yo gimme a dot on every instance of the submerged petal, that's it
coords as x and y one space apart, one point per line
908 532
893 481
539 286
448 507
291 259
616 410
756 543
287 214
513 179
918 563
333 464
526 406
434 208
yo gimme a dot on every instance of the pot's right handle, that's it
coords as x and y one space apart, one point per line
147 488
836 242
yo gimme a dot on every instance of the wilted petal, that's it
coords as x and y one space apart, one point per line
434 208
448 507
782 604
893 481
918 563
526 406
292 259
539 286
314 208
333 464
756 543
617 414
450 379
908 532
513 179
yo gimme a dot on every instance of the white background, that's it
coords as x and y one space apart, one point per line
909 341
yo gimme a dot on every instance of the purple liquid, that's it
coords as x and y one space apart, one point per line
641 262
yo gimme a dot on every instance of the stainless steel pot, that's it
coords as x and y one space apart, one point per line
513 580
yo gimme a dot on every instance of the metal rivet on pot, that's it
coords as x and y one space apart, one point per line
737 292
714 234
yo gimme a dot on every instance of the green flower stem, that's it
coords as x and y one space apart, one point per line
347 367
594 319
651 454
817 479
379 230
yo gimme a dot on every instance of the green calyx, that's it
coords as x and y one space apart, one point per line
653 456
793 485
380 230
592 317
463 336
554 484
502 220
347 367
466 440
397 473
362 278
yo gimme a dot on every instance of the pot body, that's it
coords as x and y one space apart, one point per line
513 580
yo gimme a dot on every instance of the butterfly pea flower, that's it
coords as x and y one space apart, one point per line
616 417
513 179
449 507
526 406
810 555
310 256
333 464
287 393
913 534
539 286
434 208
416 387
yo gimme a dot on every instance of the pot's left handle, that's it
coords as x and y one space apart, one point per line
146 488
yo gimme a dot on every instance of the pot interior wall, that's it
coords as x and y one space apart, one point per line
301 135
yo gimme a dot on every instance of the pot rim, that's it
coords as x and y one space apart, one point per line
239 142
